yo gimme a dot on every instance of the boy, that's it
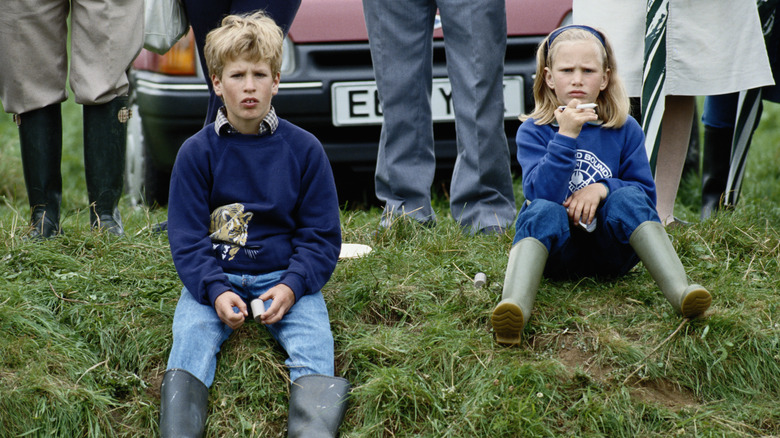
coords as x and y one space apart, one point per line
253 212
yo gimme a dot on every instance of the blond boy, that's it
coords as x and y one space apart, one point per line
253 213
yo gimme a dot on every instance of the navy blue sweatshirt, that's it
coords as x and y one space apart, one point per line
555 166
253 204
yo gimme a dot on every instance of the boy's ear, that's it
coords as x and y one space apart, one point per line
277 79
605 80
217 85
548 78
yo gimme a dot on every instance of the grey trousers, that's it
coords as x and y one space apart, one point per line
400 35
106 35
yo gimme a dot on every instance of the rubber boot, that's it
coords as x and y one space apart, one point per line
183 405
317 406
105 137
654 248
40 137
521 282
715 168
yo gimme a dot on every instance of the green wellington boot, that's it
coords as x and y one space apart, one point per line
40 137
317 406
523 274
183 405
105 137
654 248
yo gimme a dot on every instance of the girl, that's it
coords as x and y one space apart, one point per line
590 196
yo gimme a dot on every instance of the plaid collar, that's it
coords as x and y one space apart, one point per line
268 126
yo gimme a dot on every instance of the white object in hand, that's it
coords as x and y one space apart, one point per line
588 228
580 106
258 308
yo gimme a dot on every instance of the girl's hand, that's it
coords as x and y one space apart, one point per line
283 298
584 202
570 119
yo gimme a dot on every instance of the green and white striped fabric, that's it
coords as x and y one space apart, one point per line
654 76
748 111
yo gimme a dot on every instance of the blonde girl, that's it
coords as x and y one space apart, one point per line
590 196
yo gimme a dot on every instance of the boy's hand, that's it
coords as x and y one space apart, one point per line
584 202
570 119
283 298
224 305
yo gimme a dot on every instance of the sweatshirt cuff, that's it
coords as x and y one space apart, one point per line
296 283
215 290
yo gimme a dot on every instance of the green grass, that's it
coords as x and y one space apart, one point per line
85 329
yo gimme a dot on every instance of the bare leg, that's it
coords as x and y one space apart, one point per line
675 135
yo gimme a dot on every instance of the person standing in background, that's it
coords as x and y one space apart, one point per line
105 37
727 139
400 34
671 51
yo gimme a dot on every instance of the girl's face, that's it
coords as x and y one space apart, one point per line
576 72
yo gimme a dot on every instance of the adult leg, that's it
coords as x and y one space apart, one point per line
205 15
32 86
675 136
482 196
40 137
400 35
105 138
718 118
106 36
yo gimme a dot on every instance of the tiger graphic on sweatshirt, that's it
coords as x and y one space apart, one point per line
229 229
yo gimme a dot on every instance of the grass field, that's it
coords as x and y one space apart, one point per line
85 328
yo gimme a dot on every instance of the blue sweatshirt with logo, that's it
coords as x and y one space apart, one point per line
253 204
555 166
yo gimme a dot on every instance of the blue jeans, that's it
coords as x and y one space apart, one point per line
304 332
575 253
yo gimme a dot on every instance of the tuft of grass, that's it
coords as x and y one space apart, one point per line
85 329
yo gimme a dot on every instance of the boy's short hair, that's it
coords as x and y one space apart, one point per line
253 36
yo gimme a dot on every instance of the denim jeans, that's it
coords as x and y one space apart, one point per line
304 331
575 253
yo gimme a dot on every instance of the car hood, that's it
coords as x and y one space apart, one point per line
321 21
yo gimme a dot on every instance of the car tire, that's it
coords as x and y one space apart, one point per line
144 183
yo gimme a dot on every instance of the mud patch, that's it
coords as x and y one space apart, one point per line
665 393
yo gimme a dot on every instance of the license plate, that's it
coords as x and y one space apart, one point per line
357 103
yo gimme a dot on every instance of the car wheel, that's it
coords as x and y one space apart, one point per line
144 183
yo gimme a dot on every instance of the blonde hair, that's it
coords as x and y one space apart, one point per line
253 36
613 103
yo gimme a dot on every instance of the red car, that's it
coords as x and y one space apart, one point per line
327 88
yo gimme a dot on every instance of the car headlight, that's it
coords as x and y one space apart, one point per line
288 56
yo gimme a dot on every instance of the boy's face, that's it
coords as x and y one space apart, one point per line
246 87
577 72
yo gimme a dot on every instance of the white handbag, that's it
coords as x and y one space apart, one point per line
164 24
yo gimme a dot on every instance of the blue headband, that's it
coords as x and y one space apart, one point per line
560 30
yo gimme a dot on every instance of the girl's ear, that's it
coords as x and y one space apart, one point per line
549 79
605 80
